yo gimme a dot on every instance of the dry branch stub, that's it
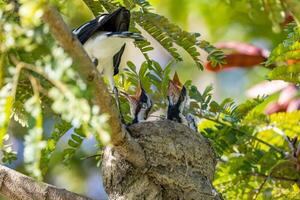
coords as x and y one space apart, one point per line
180 165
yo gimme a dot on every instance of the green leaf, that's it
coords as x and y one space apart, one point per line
131 66
289 73
76 138
143 69
73 143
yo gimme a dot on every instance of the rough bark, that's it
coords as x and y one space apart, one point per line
180 165
17 186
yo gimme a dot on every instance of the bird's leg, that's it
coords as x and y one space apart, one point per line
115 91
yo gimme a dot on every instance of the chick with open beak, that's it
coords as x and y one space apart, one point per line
140 105
178 101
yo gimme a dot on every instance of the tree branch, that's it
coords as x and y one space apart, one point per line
275 177
120 138
17 186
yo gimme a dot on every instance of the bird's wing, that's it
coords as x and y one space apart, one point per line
117 59
117 21
114 22
85 31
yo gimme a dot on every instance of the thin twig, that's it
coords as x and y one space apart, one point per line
275 177
63 88
280 163
261 187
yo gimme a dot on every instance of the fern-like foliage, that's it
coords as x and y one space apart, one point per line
289 122
290 73
74 143
285 57
144 46
59 130
163 31
289 48
151 23
249 144
6 104
24 92
241 111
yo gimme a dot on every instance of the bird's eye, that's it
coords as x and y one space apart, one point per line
144 105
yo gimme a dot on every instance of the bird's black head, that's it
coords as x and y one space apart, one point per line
116 21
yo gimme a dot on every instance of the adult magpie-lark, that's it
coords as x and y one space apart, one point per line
104 39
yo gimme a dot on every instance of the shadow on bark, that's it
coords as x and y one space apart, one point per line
180 165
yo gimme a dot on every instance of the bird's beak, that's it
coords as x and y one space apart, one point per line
175 86
176 91
138 37
172 89
176 80
126 34
131 98
138 91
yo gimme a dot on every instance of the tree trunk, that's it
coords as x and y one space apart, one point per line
180 164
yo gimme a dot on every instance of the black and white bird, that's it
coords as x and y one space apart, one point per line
140 105
178 101
104 39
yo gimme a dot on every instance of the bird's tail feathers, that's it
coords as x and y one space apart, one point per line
126 34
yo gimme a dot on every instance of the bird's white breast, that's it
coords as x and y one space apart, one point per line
141 115
101 47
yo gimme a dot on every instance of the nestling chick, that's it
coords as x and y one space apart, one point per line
178 101
140 105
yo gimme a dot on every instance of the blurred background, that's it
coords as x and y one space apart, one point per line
217 21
